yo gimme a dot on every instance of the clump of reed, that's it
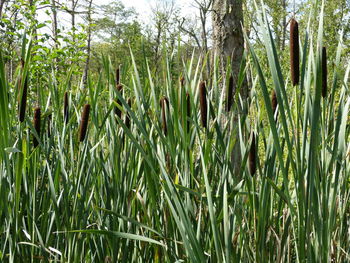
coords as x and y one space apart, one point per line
294 52
36 123
203 103
84 122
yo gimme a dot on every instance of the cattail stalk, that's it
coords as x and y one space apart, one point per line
127 117
117 76
23 101
36 122
294 52
324 72
66 108
84 122
274 102
117 110
229 94
164 102
252 157
203 103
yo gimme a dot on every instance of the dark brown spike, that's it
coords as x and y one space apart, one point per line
274 101
84 122
324 72
117 110
203 103
164 102
182 81
66 108
229 94
252 156
23 101
294 51
188 104
117 76
127 117
36 123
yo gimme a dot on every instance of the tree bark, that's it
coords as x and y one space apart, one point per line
229 46
228 34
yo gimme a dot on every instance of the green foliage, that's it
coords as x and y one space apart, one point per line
134 194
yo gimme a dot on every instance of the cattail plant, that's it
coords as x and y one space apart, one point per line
127 117
188 105
117 76
117 110
182 81
164 103
252 156
324 72
294 51
23 101
229 94
66 108
36 123
203 103
274 102
84 122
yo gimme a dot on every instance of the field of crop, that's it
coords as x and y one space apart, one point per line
124 170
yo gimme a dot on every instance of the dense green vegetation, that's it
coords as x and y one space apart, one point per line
148 182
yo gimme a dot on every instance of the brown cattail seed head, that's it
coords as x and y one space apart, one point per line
164 102
252 157
203 103
117 76
188 104
229 94
294 51
127 117
324 72
23 101
84 122
66 107
274 102
117 110
36 122
182 81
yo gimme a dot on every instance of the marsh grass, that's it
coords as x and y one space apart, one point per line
132 193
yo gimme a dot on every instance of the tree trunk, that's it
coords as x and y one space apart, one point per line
228 35
229 44
87 63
